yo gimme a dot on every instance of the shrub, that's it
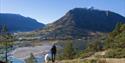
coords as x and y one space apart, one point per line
69 51
116 53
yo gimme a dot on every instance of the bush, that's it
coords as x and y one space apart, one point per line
116 53
68 51
85 54
94 61
90 61
116 38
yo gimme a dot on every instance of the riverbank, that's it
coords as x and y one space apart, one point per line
24 52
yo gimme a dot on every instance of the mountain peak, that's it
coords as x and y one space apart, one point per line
80 22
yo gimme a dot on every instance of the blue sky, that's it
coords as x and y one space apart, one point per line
47 11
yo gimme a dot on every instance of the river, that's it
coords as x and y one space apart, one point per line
20 54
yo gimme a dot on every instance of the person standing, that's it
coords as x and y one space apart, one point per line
53 52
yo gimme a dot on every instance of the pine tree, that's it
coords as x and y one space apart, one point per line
6 40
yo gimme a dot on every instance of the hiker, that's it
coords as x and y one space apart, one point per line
53 52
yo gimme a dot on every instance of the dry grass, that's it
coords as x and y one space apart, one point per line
102 60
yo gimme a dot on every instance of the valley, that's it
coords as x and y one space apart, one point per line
82 35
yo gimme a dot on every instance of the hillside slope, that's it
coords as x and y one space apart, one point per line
80 22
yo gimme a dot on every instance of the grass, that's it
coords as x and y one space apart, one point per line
84 61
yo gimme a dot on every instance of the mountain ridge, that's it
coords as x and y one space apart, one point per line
80 22
17 22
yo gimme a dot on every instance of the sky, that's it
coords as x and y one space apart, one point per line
48 11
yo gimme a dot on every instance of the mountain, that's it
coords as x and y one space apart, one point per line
80 22
16 22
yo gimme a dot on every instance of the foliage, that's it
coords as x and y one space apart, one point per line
6 42
86 61
116 42
86 54
116 53
91 49
116 38
95 46
68 52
